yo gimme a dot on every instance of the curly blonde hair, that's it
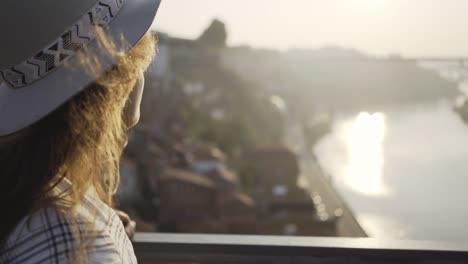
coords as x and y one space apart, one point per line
81 141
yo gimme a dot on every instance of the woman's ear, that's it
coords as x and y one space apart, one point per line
132 108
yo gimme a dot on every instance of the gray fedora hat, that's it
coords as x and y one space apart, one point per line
40 37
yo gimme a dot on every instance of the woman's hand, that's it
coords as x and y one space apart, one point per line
128 223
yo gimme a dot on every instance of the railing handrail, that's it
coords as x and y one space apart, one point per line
196 247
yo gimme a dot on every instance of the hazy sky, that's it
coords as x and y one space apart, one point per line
408 27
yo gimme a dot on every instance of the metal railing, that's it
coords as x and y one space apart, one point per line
158 248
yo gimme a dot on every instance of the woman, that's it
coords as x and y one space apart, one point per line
70 87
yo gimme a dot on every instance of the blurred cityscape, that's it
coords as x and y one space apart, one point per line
227 134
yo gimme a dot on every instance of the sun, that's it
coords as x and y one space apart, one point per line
369 5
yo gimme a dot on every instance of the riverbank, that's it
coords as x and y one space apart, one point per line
325 196
319 186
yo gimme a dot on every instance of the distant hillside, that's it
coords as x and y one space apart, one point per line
336 78
190 92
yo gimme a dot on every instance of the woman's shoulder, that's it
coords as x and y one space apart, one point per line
44 236
49 235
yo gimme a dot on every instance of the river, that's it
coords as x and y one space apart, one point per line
403 171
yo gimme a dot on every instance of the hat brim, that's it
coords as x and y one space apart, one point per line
20 108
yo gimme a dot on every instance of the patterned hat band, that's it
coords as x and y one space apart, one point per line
66 46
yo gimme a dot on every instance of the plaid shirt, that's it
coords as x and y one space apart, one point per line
46 236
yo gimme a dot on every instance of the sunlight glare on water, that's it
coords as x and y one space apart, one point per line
408 166
364 139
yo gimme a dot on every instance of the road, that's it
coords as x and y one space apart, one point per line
328 201
319 186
